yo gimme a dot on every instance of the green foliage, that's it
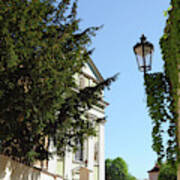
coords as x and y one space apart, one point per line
41 49
130 177
117 169
162 88
159 103
167 171
166 12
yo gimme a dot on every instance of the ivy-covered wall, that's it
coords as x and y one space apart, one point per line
162 88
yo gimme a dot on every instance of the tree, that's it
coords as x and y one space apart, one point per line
130 177
167 171
41 50
117 169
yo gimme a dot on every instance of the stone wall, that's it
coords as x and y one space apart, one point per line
12 170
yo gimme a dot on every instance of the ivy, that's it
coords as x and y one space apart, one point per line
162 89
159 104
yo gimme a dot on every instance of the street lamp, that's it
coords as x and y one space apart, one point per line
143 52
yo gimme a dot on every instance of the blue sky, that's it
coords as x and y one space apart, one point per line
128 127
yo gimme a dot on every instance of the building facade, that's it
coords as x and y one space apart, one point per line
87 163
90 155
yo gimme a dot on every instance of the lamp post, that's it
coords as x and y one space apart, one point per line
143 52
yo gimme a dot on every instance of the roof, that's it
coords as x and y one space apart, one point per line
95 70
156 168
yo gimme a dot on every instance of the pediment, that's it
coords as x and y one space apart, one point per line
91 70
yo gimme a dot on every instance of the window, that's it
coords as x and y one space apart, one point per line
79 152
82 82
96 151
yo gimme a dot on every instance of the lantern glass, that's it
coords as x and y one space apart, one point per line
143 52
144 64
147 50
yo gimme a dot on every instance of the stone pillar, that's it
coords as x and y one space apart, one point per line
52 163
101 152
68 166
90 157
